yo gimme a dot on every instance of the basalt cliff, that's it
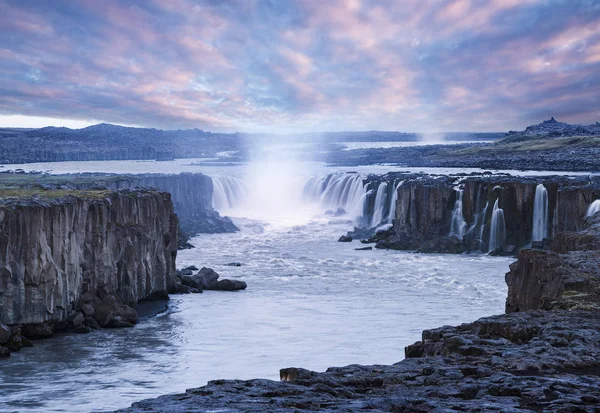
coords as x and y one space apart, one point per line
77 260
499 214
542 355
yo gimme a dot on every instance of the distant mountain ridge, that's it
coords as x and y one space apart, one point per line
553 128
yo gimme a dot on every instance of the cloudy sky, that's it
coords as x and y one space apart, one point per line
305 65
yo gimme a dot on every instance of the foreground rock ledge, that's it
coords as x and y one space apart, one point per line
537 360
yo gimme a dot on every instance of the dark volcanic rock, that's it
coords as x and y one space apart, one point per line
345 238
5 333
208 279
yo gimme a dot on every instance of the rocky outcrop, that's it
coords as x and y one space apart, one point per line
552 128
534 360
567 275
426 207
191 194
80 257
206 279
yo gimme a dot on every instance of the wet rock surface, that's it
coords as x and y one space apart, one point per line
546 359
425 206
76 261
204 279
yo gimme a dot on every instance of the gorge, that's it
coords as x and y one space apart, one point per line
296 271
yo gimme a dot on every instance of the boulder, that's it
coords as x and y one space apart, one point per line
83 329
345 238
76 319
5 333
106 311
129 314
191 267
234 264
180 288
4 352
207 278
15 343
229 285
363 249
88 310
90 322
119 322
190 281
39 330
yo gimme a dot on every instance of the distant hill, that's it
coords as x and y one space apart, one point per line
110 142
552 129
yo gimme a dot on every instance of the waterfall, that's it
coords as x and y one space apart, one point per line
498 228
458 224
380 203
228 192
482 228
540 213
335 191
593 208
393 202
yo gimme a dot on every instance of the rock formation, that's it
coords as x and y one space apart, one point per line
425 211
80 258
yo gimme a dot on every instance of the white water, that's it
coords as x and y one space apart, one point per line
310 302
393 202
458 224
594 208
540 213
498 227
380 202
340 190
228 191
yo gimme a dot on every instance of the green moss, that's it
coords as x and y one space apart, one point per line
21 193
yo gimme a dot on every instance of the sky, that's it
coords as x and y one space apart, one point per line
300 66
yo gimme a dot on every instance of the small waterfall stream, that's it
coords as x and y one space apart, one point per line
593 208
540 213
380 204
393 202
458 224
498 227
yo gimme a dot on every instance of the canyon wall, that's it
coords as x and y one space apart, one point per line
192 195
564 275
55 249
492 213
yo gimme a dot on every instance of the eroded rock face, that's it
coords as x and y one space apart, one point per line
52 251
424 211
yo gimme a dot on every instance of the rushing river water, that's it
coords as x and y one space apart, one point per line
311 302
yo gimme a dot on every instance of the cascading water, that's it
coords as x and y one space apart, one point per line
479 219
228 192
498 228
335 191
458 224
540 213
593 209
393 202
482 228
380 204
